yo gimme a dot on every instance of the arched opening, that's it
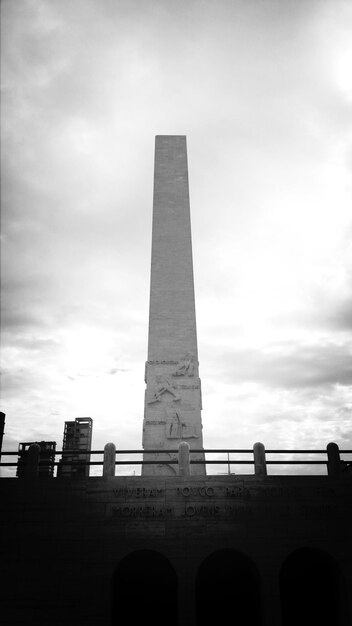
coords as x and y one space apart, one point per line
227 590
144 588
312 590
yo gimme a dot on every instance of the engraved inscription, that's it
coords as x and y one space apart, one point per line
238 492
138 492
190 510
193 510
237 512
275 492
162 362
141 511
319 511
195 491
186 386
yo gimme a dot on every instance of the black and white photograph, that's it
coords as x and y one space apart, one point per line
176 312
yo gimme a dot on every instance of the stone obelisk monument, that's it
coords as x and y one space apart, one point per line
173 394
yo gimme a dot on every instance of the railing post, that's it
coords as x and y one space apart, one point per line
259 459
30 469
109 460
334 463
183 459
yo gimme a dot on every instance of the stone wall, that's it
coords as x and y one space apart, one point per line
62 540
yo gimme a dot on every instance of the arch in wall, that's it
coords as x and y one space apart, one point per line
312 590
227 590
144 589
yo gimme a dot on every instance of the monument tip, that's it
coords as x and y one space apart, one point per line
170 136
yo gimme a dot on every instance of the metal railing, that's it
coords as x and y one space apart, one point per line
184 459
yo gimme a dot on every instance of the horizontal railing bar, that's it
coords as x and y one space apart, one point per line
172 462
304 451
174 451
295 451
9 453
56 452
84 463
64 452
234 462
222 462
289 462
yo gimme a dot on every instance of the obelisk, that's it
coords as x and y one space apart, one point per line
173 395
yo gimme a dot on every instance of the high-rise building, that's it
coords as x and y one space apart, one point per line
76 448
46 458
2 428
173 395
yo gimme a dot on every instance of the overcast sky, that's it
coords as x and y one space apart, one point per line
263 91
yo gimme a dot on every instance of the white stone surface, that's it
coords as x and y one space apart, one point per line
173 394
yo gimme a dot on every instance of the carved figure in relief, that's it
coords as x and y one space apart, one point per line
185 366
176 428
163 385
174 425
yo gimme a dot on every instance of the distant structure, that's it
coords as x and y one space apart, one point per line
2 428
46 458
76 448
173 395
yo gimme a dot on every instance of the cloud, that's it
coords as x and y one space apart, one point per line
289 366
114 370
282 418
262 92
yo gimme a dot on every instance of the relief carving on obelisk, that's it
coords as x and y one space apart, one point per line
185 366
172 409
177 428
162 385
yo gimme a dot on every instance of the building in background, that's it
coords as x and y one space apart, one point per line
46 462
2 428
76 448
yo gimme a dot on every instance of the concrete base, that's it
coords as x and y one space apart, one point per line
62 540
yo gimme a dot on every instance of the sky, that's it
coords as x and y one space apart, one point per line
263 91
